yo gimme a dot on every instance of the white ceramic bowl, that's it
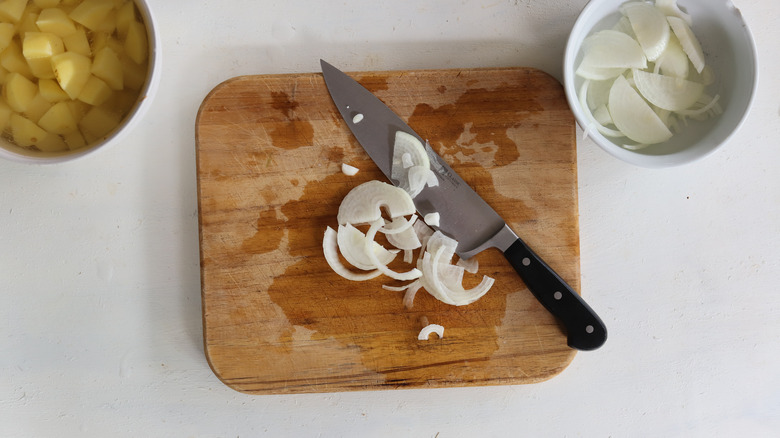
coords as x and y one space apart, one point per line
730 51
147 92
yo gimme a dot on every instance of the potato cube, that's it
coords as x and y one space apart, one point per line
56 21
58 119
121 102
95 91
25 132
134 75
78 108
19 92
12 10
37 108
5 115
107 66
13 60
27 23
46 3
91 13
52 143
108 24
124 17
6 35
74 140
50 90
72 71
136 44
97 123
41 45
41 68
78 42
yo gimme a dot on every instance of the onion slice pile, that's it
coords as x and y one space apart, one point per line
638 81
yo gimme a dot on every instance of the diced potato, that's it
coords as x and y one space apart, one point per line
52 143
12 10
70 2
74 140
37 108
107 66
124 17
78 108
27 23
5 115
58 119
78 42
46 3
25 132
19 92
41 45
41 68
108 24
13 60
56 21
121 102
136 44
50 90
95 91
97 123
6 34
91 13
72 71
134 75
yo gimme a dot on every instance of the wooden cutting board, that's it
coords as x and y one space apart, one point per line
277 319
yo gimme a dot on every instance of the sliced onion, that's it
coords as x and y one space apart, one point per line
669 93
673 62
471 265
633 116
650 27
594 123
363 204
428 329
432 219
409 275
608 53
688 41
354 246
398 225
348 170
410 161
670 8
330 250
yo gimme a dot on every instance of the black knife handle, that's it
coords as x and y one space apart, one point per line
584 328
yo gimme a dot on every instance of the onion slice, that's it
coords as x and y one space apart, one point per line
633 116
650 27
670 8
348 170
669 93
428 329
330 250
363 204
409 275
353 246
688 41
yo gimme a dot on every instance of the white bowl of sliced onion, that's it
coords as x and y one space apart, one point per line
660 83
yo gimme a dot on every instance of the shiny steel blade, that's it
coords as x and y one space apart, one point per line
465 216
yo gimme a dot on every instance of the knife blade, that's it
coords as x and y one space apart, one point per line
477 227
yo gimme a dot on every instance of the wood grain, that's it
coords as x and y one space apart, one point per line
276 319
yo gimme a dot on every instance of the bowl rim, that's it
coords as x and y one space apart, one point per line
631 157
146 94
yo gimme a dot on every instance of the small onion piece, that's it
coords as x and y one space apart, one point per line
330 250
409 275
428 329
363 204
690 44
348 170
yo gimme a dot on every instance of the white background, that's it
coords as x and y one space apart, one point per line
100 317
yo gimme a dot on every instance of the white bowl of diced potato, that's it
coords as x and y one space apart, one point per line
76 75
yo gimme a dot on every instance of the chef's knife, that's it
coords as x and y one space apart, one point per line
465 216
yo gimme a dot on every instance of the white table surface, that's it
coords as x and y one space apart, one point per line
100 312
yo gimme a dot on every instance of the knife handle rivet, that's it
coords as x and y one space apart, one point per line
557 296
589 329
526 261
